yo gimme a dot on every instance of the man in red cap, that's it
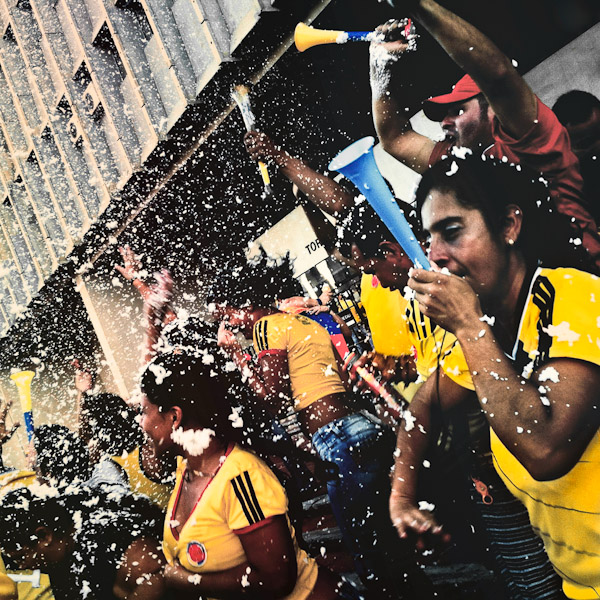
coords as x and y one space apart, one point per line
490 110
466 117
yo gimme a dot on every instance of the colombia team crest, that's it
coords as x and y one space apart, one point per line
196 553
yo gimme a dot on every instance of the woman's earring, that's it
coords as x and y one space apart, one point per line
510 242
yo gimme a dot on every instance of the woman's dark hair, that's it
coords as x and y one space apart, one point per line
61 455
111 422
363 227
22 512
188 334
259 282
194 383
489 185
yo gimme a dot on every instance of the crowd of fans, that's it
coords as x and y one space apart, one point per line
485 367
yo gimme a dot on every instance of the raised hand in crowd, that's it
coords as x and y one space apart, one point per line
84 378
158 311
227 339
261 147
131 268
5 432
323 192
393 38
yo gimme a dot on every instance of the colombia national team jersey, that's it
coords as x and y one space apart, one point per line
313 368
385 310
140 483
435 347
561 319
242 496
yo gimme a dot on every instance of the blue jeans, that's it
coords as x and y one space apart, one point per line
360 450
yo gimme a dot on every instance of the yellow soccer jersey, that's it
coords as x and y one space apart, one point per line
313 368
12 480
561 319
139 483
242 496
28 592
8 588
385 310
435 347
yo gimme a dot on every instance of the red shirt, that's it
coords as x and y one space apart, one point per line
546 148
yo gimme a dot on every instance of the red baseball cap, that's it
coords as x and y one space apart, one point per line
465 89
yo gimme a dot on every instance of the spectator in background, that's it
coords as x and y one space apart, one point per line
381 295
88 545
579 112
118 450
491 111
61 457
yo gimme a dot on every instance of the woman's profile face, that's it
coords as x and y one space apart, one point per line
157 425
459 240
